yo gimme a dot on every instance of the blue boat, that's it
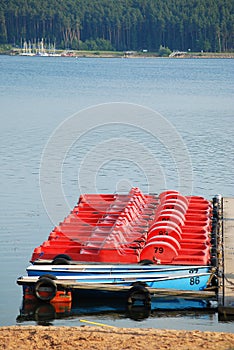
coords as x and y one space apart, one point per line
116 269
175 281
190 278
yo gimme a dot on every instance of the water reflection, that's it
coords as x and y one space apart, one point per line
113 309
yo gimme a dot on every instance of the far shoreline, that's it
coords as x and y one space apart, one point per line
124 54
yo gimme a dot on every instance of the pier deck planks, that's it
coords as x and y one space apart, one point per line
226 295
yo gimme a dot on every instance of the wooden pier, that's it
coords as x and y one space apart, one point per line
226 260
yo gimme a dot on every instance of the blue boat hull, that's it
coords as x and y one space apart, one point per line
182 278
105 270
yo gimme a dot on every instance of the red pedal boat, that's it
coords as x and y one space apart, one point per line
115 228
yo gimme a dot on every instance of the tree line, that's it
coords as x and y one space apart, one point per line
196 25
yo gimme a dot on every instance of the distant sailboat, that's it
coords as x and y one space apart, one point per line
41 50
38 49
52 51
27 50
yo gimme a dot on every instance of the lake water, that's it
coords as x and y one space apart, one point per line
75 125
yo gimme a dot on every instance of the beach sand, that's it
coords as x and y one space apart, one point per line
100 338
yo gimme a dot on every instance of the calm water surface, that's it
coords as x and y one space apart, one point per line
38 94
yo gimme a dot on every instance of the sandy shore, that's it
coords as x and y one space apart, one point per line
100 338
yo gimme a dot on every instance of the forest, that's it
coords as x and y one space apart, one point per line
196 25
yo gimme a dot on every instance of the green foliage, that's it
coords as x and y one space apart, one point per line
129 25
164 51
5 48
94 45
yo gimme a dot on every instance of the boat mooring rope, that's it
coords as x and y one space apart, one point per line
97 323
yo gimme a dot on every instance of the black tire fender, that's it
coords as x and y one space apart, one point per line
138 293
146 262
47 275
45 289
214 261
60 261
63 256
